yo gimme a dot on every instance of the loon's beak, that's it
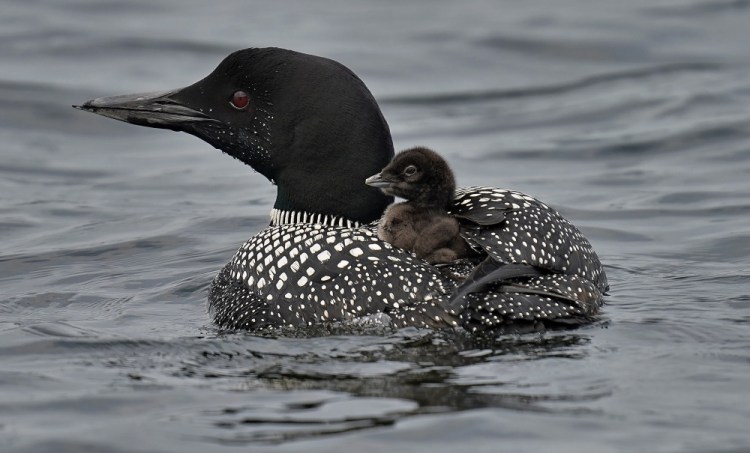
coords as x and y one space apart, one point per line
157 110
377 181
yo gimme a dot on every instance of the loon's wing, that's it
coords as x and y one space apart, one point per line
526 231
557 298
518 228
539 266
489 272
481 205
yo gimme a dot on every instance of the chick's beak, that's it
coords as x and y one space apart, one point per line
377 181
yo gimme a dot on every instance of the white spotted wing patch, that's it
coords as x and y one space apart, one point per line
487 310
549 297
581 293
531 233
527 231
487 205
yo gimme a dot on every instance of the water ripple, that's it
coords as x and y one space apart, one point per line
563 88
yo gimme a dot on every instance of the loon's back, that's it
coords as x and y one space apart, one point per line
304 273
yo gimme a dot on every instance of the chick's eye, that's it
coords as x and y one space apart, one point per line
410 170
240 100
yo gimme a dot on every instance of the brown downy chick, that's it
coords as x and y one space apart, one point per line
421 224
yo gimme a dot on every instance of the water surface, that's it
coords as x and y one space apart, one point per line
632 118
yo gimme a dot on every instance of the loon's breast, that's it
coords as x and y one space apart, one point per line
313 271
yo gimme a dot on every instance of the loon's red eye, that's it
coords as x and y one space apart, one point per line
240 100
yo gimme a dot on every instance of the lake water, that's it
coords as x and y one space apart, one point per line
632 118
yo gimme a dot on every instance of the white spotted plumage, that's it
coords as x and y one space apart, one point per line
306 269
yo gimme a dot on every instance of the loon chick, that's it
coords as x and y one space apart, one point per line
421 224
311 127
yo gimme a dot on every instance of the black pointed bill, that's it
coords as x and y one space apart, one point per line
157 110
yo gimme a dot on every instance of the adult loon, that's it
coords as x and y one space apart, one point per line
311 127
421 224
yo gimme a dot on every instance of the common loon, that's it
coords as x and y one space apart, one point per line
421 224
311 127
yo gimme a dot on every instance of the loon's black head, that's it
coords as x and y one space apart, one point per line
307 123
419 175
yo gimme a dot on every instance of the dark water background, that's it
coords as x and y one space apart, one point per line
631 117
